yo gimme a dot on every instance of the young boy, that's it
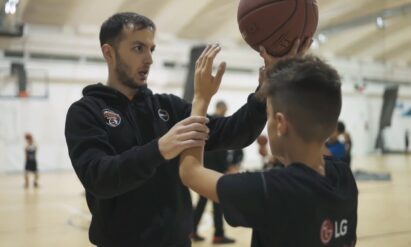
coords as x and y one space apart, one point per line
313 200
31 161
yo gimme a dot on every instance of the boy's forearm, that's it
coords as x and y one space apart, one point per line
199 107
198 178
192 172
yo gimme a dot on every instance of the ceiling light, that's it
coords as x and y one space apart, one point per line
380 22
315 44
11 6
322 38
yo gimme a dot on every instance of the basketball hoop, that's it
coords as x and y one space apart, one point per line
23 94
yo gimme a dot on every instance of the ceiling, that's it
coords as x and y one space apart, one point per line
347 28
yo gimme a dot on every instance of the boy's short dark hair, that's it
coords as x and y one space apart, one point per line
110 31
308 91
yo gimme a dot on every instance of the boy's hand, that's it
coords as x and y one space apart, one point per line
262 75
205 84
297 50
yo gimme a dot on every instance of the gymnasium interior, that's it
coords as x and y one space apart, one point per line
49 51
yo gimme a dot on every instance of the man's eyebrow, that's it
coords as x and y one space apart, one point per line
137 42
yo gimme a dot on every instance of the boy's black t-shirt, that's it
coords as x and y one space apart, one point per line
294 206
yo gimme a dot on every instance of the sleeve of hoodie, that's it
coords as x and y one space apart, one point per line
236 131
102 171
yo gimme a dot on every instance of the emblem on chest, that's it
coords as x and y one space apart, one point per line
113 119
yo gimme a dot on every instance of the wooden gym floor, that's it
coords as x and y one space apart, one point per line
56 213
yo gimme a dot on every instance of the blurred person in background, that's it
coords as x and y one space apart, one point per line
335 147
235 158
31 162
345 138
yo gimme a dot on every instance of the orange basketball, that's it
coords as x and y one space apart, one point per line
276 24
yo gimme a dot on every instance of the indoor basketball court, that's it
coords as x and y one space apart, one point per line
50 52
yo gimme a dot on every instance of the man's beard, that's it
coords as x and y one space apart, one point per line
121 71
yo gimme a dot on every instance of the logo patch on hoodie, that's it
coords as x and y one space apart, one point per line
163 114
112 119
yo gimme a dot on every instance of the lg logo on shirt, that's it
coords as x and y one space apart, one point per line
331 229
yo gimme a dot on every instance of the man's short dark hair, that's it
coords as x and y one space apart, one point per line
111 29
308 91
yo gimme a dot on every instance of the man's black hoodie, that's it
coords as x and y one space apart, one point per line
135 196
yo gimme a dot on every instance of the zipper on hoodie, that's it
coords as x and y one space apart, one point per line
133 122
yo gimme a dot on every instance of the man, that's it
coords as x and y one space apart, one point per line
218 161
124 142
313 200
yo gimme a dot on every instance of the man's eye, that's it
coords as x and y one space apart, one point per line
138 48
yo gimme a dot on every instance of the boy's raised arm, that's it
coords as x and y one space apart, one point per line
192 172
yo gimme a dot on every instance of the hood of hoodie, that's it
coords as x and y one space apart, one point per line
105 92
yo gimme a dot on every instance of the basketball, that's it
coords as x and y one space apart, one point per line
276 24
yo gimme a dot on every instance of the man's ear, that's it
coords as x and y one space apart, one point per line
282 124
108 53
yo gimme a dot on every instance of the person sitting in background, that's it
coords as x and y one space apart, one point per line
31 162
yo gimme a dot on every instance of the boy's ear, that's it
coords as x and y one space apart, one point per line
282 124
